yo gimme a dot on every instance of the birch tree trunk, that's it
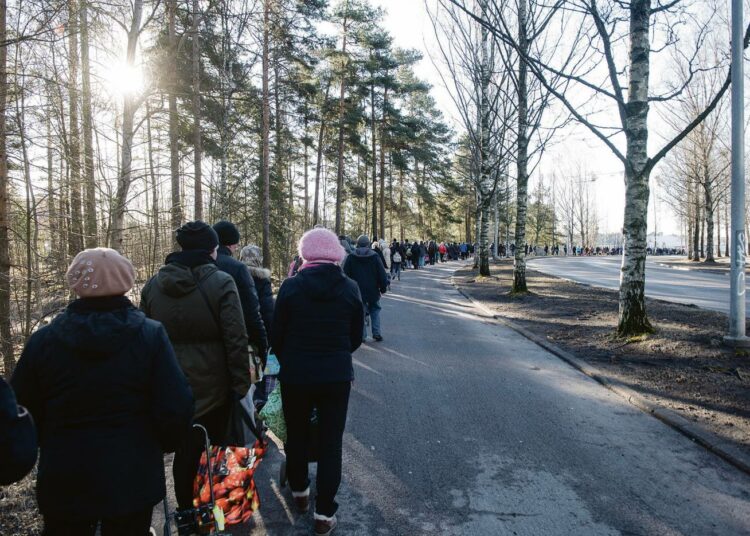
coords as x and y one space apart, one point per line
382 163
484 146
632 318
522 158
128 132
265 142
88 129
197 142
709 216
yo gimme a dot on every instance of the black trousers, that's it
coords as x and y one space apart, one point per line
332 403
135 524
188 455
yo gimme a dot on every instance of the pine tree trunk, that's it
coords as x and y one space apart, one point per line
265 133
306 161
154 195
88 129
174 151
6 341
374 160
319 161
382 163
632 314
75 240
522 158
196 98
54 229
340 146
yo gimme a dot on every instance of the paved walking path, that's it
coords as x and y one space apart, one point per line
458 426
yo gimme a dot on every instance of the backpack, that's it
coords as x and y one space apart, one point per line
397 257
408 251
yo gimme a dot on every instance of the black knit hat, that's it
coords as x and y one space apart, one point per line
227 232
197 235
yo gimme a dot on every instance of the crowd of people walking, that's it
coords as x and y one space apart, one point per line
107 388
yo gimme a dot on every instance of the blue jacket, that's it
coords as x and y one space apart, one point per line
366 268
108 398
256 331
317 325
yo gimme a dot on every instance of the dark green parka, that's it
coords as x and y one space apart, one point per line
215 358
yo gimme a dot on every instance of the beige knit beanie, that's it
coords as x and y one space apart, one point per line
100 272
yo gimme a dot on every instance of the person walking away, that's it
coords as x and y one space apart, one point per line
397 258
317 326
252 257
386 255
229 239
108 397
364 267
18 438
200 309
378 250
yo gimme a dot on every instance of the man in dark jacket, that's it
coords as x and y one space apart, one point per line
18 444
366 268
200 309
229 239
108 398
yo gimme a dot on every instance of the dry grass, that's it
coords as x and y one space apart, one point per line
19 515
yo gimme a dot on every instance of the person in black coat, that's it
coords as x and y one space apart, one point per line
109 399
18 442
365 267
317 325
229 239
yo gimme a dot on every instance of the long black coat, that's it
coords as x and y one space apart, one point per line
18 444
256 331
366 268
108 397
317 324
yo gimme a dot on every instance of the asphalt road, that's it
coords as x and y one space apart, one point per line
459 426
704 289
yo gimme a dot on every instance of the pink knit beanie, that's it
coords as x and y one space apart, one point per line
100 272
321 245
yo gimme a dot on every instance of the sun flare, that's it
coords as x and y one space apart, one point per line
123 80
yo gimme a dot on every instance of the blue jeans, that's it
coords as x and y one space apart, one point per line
374 311
396 270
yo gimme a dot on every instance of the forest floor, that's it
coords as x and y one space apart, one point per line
683 366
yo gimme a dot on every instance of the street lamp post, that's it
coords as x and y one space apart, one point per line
737 320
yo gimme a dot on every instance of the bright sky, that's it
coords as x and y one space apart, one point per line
410 26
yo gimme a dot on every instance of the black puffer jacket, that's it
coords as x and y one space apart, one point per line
256 331
18 444
366 268
108 398
209 339
317 325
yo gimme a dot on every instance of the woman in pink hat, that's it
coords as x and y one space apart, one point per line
104 388
317 325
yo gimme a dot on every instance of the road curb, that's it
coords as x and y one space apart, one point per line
724 449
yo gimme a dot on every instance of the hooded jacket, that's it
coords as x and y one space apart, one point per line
208 338
365 267
256 331
108 398
317 325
